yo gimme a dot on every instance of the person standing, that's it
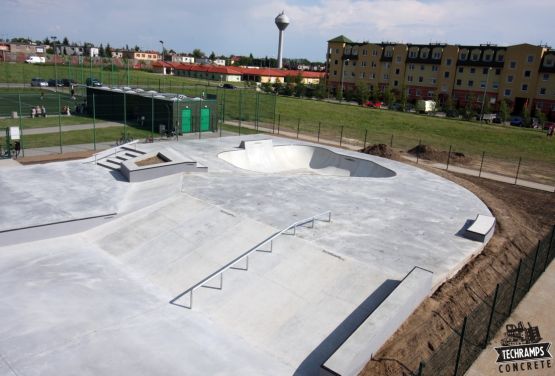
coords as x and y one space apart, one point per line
17 147
72 92
43 111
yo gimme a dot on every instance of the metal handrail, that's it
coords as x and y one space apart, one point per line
257 247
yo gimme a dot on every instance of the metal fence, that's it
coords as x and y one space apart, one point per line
469 338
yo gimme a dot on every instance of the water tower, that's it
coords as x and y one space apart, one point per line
282 21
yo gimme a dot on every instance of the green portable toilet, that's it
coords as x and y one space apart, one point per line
186 120
204 119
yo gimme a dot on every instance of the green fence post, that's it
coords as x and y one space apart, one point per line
481 164
274 115
341 136
152 117
319 129
518 169
298 127
461 341
240 109
534 265
127 60
20 126
491 315
60 122
448 158
94 122
279 122
124 117
391 141
418 151
514 289
365 137
549 248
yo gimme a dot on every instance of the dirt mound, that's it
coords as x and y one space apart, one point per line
381 150
431 154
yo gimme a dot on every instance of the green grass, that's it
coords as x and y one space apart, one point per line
50 121
406 130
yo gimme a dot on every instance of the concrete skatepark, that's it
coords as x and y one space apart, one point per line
90 261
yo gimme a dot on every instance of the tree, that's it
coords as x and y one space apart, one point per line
108 50
388 96
320 90
101 51
526 117
504 112
435 98
300 90
137 48
267 87
403 98
65 42
197 53
46 41
469 111
212 56
361 93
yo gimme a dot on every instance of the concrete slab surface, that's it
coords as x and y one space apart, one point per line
97 302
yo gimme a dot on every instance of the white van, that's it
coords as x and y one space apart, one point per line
35 60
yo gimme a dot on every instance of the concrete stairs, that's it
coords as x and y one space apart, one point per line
126 153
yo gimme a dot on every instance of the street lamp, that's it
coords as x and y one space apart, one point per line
53 37
162 42
342 77
484 96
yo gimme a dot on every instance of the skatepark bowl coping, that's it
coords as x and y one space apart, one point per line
262 156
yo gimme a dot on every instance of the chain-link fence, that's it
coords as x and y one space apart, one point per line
469 338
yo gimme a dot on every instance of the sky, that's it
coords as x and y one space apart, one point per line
241 27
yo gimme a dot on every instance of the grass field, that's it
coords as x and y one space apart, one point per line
406 130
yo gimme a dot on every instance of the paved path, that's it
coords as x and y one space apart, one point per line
537 309
67 128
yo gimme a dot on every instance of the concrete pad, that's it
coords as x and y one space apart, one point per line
99 300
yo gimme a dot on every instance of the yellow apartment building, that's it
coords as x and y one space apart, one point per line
523 74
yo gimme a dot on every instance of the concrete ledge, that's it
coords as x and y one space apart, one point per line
354 353
174 163
482 229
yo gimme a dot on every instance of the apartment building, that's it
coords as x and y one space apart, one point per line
522 74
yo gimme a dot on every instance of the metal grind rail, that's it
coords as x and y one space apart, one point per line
230 265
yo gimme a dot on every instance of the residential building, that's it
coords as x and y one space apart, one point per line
186 59
522 74
142 55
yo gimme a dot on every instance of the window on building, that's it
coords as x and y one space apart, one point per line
512 64
448 62
337 50
444 88
497 71
507 92
545 76
430 94
372 76
530 58
475 57
417 92
386 76
352 74
363 63
397 71
461 69
446 74
433 81
373 64
510 79
364 52
470 83
395 83
472 70
388 53
542 91
412 54
424 53
548 62
335 62
524 87
435 68
482 84
437 55
411 66
420 79
487 57
422 67
527 73
398 59
463 56
409 78
459 82
374 52
485 70
495 85
354 63
346 62
500 58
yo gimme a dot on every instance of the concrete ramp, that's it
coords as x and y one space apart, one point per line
262 156
178 242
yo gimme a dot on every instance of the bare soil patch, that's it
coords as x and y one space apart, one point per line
39 159
523 217
432 154
150 161
382 150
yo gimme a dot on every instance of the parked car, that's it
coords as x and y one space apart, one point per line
496 120
91 81
228 86
375 104
54 83
517 121
38 82
67 82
